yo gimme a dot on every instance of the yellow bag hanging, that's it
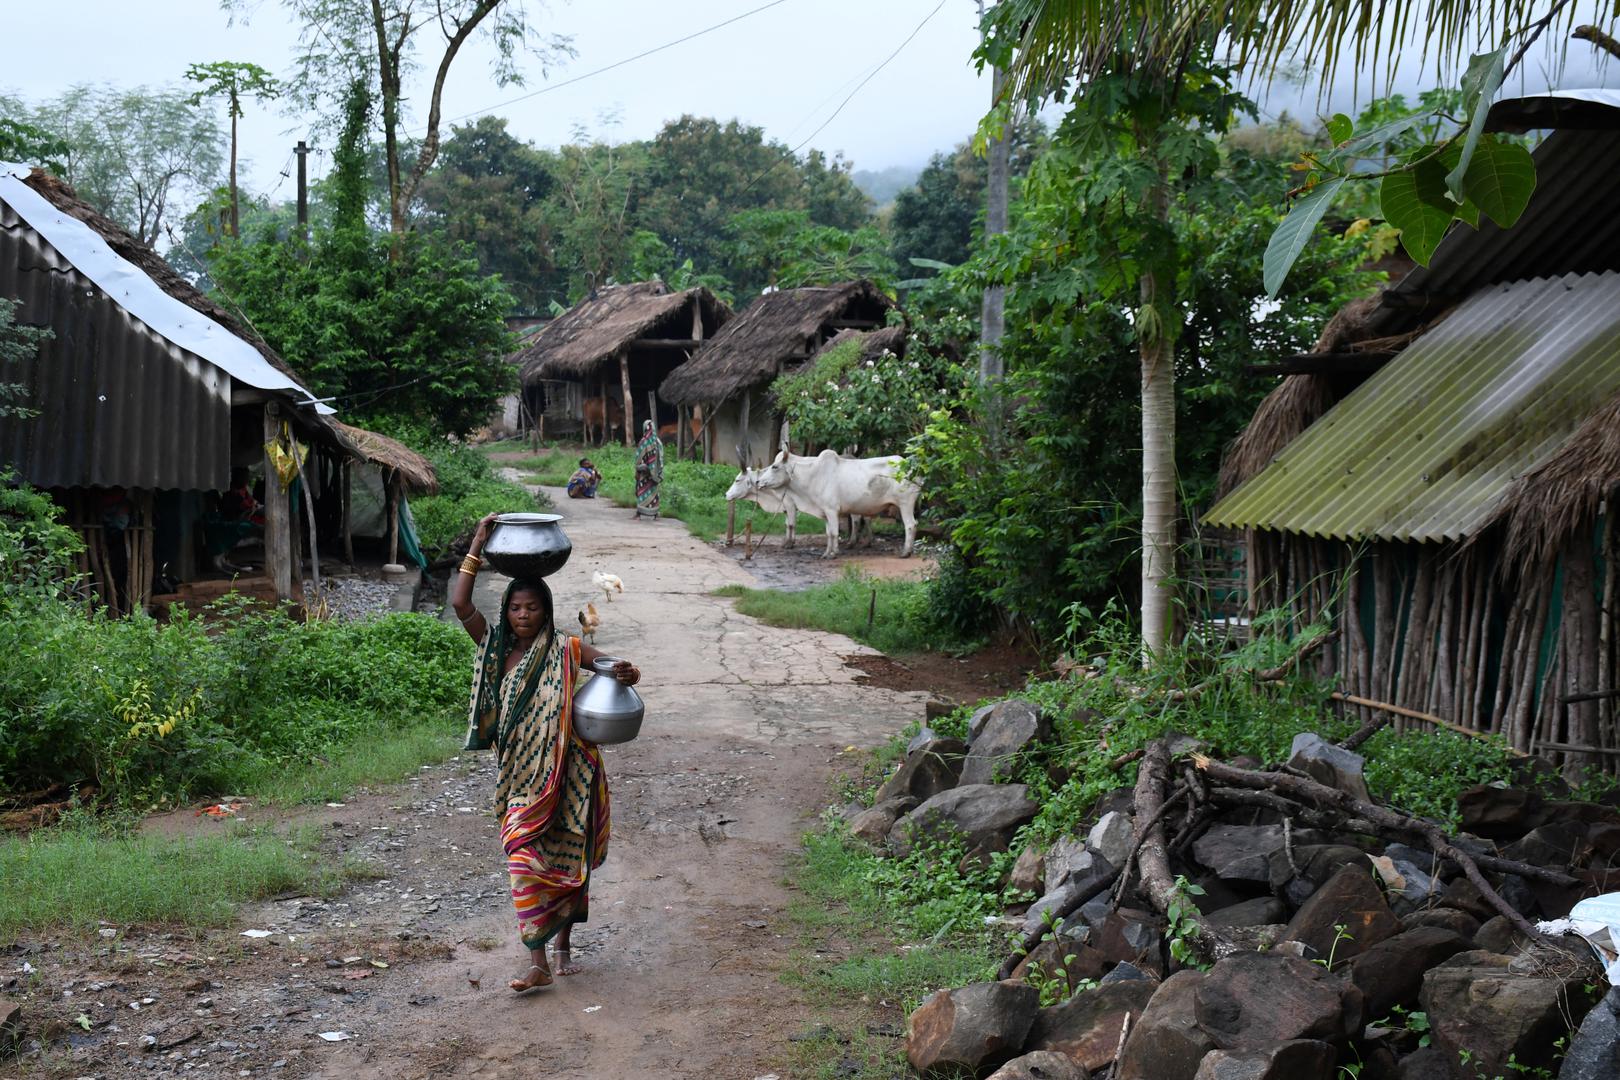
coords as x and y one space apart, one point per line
286 454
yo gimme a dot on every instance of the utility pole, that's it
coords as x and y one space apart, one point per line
302 150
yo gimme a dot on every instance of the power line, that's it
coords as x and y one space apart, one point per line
850 97
616 64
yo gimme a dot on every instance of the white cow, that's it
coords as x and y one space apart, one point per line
772 500
777 501
830 486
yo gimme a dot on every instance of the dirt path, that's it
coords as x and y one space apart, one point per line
685 945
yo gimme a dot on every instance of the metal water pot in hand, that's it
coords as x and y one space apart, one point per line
606 710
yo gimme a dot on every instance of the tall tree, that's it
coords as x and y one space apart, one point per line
233 80
131 153
383 41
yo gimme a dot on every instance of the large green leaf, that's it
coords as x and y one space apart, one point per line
1340 128
1500 180
1295 232
1480 83
1415 201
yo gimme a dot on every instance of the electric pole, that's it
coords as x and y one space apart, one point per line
302 151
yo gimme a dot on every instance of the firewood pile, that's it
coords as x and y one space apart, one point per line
1225 919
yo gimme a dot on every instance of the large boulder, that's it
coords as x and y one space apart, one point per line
1328 764
1261 911
1311 866
1166 1042
1131 935
1067 859
1351 899
1302 1059
970 1029
1595 1052
1391 972
1028 872
1074 960
1087 1027
1499 812
1054 904
1113 837
1239 852
1252 1000
1446 918
1006 733
1496 1008
928 769
873 824
986 815
1041 1065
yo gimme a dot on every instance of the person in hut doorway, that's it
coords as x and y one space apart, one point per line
240 516
583 484
551 795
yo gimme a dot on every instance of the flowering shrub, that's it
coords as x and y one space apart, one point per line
869 406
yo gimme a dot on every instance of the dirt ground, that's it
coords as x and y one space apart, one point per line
403 974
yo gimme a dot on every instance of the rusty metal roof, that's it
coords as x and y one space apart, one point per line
1426 448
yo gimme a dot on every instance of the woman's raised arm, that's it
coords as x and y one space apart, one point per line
461 584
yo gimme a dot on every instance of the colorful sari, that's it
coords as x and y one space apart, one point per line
552 794
649 470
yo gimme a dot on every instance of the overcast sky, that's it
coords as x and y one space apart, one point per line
786 69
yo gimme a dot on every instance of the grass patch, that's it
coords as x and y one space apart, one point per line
902 620
906 942
70 877
375 758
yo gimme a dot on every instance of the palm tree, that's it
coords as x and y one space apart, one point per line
1052 47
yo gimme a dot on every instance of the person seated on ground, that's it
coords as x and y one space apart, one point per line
582 485
238 503
240 516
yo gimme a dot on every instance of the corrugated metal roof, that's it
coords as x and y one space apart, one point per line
1562 231
1425 449
118 404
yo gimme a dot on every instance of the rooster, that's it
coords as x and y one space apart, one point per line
608 583
588 622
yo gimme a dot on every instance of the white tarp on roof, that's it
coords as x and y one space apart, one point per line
138 294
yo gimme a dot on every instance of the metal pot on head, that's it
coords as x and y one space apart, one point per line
528 545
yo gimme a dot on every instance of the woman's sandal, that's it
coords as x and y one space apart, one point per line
529 982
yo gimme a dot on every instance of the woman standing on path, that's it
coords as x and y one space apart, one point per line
649 471
551 795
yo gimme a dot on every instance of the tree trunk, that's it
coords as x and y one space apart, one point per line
992 313
1158 478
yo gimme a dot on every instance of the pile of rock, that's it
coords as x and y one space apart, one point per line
1328 931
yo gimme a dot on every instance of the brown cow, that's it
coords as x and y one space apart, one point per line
594 410
667 432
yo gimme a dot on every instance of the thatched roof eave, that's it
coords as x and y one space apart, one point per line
414 469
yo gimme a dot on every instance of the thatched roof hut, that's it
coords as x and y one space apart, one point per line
874 345
414 470
587 338
1438 477
777 332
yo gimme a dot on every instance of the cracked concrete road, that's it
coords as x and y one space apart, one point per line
687 941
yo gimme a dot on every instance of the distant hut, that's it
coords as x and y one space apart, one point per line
1436 480
779 332
605 357
375 485
144 398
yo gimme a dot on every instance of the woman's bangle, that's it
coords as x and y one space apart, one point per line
471 565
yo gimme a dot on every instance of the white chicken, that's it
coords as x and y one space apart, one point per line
608 583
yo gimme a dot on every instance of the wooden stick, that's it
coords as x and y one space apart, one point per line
1310 791
1412 714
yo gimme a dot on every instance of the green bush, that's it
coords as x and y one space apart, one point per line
468 488
155 713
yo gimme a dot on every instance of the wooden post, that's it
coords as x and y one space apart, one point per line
347 481
652 409
392 503
629 402
277 515
745 439
309 514
697 316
